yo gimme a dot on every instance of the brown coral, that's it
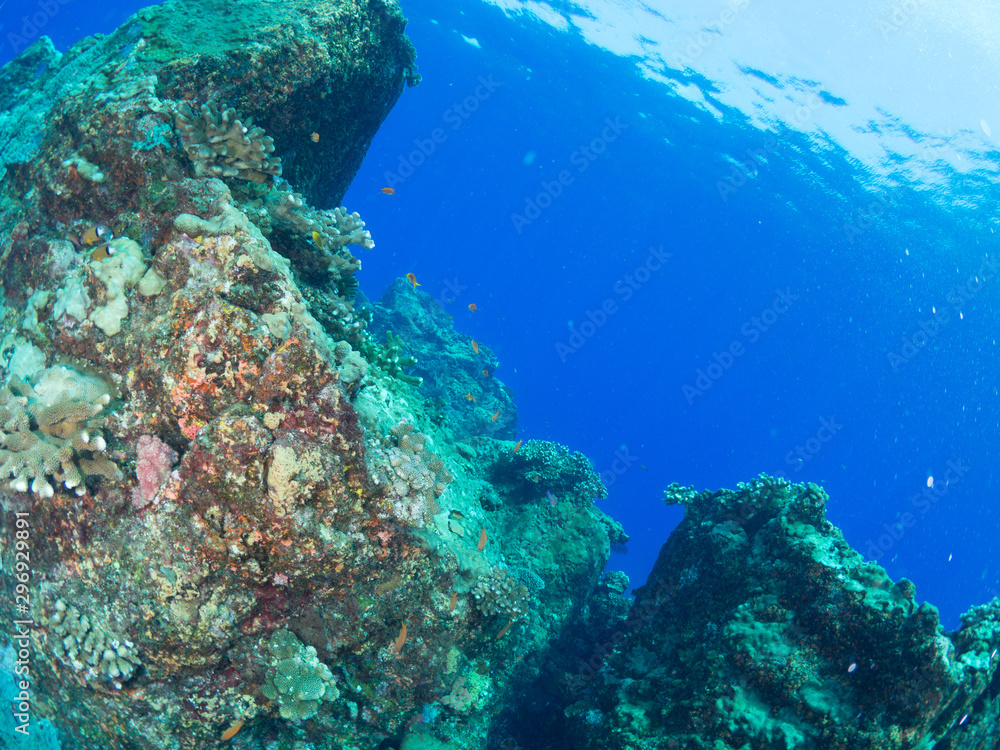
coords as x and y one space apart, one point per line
496 593
416 471
52 429
221 144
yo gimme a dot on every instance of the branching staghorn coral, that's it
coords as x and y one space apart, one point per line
321 237
96 652
316 242
52 429
338 228
221 144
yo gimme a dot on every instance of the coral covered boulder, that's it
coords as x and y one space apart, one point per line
761 628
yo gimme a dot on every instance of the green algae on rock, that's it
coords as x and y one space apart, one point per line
349 61
760 627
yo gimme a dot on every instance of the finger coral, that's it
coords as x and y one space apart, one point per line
221 144
316 242
416 472
391 358
96 652
52 430
496 593
323 236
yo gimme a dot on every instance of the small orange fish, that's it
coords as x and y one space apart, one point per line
412 278
475 346
503 632
486 373
388 191
315 137
454 601
517 447
472 307
401 639
496 415
469 396
482 540
231 732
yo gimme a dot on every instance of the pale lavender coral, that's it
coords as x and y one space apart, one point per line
152 468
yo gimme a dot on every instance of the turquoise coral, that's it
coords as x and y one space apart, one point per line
297 679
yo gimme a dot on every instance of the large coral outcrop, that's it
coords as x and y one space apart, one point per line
245 510
424 347
761 627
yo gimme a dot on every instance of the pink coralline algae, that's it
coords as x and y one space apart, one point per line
152 468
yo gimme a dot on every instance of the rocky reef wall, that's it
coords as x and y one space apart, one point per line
245 519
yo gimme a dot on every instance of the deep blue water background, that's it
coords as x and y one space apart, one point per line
657 185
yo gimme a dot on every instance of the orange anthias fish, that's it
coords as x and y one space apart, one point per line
388 191
469 396
400 639
472 307
412 278
486 373
482 541
453 602
496 415
503 632
475 346
231 732
517 447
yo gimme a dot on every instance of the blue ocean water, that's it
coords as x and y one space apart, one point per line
708 243
785 247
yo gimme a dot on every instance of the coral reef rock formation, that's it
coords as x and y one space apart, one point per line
760 627
241 511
